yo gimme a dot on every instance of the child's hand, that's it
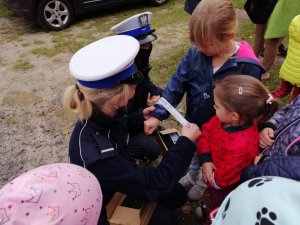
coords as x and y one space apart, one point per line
147 112
266 137
150 125
191 131
152 99
207 172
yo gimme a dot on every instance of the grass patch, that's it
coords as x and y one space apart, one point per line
23 65
62 42
57 60
38 42
239 3
4 12
20 98
59 47
25 44
45 51
246 31
165 66
11 121
7 34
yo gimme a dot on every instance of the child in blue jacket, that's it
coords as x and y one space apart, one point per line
213 56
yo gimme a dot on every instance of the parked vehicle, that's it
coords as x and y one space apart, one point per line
59 14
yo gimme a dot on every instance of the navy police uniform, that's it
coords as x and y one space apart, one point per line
100 143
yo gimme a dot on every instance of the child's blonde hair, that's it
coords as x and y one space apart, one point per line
212 21
82 100
246 96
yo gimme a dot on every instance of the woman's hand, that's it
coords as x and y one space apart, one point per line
191 131
147 112
150 125
151 100
207 172
266 137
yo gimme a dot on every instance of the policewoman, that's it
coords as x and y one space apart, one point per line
106 79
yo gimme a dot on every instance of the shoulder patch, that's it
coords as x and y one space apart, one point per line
105 147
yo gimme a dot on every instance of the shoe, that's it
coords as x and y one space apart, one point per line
199 213
282 50
187 181
196 192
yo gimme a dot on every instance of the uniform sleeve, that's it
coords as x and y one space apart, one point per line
135 118
149 184
175 88
240 155
152 88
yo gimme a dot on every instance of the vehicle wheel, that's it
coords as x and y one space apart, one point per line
55 14
157 2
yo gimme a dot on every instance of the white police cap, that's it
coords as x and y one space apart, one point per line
137 26
106 62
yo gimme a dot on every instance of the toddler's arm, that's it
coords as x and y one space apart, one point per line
207 172
150 125
147 112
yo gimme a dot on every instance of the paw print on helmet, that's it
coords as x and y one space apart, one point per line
225 209
265 217
259 181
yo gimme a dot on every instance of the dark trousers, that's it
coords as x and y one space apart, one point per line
163 216
165 213
143 147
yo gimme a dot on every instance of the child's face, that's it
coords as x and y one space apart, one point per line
223 114
210 49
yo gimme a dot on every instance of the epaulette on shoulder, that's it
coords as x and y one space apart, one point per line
105 146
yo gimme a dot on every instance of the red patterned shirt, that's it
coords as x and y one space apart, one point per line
231 149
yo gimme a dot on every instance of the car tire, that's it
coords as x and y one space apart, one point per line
55 14
157 2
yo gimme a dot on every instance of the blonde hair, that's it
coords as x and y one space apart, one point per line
82 100
246 96
211 21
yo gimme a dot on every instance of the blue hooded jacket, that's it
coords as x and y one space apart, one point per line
194 77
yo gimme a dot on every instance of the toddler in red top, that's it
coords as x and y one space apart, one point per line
230 140
227 150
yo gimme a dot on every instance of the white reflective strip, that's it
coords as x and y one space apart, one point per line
107 150
80 151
